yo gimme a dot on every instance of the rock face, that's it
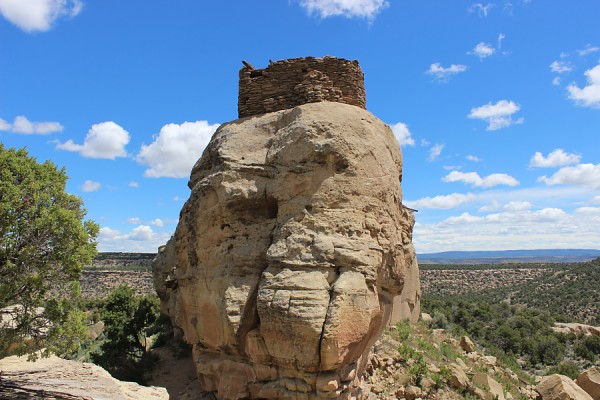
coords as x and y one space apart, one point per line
292 253
56 378
590 382
560 387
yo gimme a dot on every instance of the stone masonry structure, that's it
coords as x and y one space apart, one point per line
289 83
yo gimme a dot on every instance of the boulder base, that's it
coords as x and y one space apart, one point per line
292 253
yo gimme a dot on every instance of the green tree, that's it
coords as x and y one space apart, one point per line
44 244
128 325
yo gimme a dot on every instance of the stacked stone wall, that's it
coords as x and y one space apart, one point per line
289 83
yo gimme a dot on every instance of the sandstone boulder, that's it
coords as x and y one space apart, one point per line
54 377
589 381
466 344
560 387
292 253
492 386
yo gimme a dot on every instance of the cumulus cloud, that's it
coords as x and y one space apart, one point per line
549 227
518 206
587 175
473 158
497 115
133 184
435 151
175 149
442 202
38 15
104 140
556 81
443 74
402 134
133 220
347 8
140 239
482 9
557 158
493 206
473 178
483 50
90 186
587 96
141 233
157 222
26 127
560 67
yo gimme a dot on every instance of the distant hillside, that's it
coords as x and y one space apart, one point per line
509 256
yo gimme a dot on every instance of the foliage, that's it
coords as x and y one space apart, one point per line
588 347
567 368
512 331
44 244
129 323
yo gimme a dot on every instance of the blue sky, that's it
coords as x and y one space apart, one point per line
496 104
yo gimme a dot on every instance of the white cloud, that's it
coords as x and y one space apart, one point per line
596 200
38 15
4 125
348 8
493 206
443 74
104 140
501 37
403 135
441 202
435 152
497 115
175 149
518 206
133 184
474 179
108 233
588 210
141 239
587 175
133 220
141 233
483 50
157 222
473 158
525 229
26 127
589 49
560 67
482 9
90 186
556 81
588 96
557 158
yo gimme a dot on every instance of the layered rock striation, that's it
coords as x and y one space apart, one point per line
292 253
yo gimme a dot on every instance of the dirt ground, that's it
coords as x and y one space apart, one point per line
177 374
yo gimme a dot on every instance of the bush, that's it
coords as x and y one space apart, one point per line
567 368
128 324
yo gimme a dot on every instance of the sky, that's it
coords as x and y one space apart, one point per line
496 105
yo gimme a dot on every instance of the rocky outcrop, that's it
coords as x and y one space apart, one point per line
56 378
589 381
560 387
292 253
575 328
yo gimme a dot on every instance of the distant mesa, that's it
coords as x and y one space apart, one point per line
289 83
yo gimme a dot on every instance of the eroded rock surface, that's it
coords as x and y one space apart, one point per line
292 253
56 378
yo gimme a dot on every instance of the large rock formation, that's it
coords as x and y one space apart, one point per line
292 253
